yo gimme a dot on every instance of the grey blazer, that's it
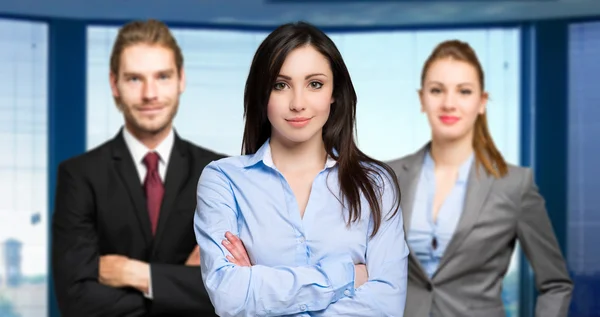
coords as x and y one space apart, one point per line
497 213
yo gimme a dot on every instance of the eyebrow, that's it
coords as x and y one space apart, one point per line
441 84
164 72
306 77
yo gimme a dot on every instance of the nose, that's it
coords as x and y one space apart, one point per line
297 102
150 90
450 101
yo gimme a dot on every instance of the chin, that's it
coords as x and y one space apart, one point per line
297 137
446 136
151 128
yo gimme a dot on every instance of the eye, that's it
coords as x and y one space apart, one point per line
133 79
164 76
435 91
466 91
315 85
279 86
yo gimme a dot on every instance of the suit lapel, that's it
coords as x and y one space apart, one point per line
412 169
479 186
176 176
126 169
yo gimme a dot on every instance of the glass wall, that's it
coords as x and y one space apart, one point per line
23 169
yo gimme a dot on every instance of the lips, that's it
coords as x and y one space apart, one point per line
298 122
449 119
150 110
299 119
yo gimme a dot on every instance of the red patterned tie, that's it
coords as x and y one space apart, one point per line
154 188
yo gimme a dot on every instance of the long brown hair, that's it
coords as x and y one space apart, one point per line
357 172
486 153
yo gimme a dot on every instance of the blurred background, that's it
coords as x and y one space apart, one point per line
541 60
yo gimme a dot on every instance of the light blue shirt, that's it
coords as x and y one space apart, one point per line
423 229
301 266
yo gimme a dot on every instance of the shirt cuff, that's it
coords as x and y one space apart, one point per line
149 294
339 270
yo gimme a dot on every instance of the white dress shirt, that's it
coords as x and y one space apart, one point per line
138 151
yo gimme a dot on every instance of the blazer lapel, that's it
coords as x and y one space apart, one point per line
126 169
176 176
479 186
412 169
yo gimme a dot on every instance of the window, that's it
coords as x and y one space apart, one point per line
583 171
385 68
23 168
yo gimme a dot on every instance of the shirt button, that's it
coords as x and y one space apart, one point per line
301 240
303 307
347 292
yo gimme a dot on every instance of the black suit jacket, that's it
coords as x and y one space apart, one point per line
100 209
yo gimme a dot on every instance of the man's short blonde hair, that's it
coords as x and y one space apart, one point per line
150 32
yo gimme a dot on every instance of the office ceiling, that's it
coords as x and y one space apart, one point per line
325 13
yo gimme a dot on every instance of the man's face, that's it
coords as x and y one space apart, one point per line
147 88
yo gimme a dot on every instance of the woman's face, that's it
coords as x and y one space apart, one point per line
452 99
301 98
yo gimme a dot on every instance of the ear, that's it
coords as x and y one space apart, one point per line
113 85
332 100
420 93
182 80
483 103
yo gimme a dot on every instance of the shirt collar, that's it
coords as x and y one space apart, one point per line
264 155
463 171
138 150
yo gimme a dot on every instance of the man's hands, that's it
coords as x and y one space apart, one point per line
239 256
194 257
120 271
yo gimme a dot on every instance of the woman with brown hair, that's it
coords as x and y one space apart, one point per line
464 207
320 220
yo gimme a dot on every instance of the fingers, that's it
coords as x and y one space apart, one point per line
239 245
237 256
232 260
238 252
236 262
230 248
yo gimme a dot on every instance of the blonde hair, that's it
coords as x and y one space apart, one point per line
486 153
151 32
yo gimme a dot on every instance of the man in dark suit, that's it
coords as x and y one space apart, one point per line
122 233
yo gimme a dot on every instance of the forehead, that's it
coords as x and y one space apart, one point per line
305 60
451 71
143 58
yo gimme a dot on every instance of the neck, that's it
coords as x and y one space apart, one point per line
150 140
294 157
451 153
